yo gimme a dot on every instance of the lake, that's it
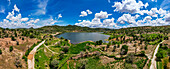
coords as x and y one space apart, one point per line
77 37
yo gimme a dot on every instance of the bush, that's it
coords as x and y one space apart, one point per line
146 47
99 42
124 50
13 38
11 48
23 38
142 53
51 36
32 36
54 64
0 51
25 58
130 58
17 43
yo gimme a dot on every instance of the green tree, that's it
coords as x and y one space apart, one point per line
130 58
22 38
146 47
0 51
142 53
32 36
11 48
54 64
15 34
13 38
100 42
159 56
51 36
124 50
17 43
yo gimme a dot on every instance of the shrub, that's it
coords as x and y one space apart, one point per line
124 50
130 58
0 51
142 53
146 47
32 36
25 58
17 43
23 38
11 48
13 38
51 36
54 64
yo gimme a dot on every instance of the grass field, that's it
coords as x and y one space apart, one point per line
159 65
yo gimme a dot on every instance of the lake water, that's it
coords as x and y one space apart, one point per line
77 37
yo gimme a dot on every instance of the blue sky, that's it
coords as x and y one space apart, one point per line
91 13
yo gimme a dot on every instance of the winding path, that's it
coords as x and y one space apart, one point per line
153 61
50 50
31 56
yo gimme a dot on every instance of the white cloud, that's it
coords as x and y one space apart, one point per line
127 18
154 0
9 2
24 19
96 22
16 8
88 11
102 15
146 5
36 20
15 20
83 13
167 17
130 6
2 10
165 5
162 12
41 7
79 20
109 1
59 16
147 18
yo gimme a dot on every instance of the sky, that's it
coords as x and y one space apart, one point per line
112 14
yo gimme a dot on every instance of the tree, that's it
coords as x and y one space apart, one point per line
32 36
11 48
22 38
51 36
61 56
146 47
159 56
142 53
82 64
54 64
124 50
15 34
0 51
65 49
108 45
13 38
61 38
100 42
130 58
17 43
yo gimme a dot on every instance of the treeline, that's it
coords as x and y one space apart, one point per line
69 28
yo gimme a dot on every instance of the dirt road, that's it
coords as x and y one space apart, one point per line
153 61
31 56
